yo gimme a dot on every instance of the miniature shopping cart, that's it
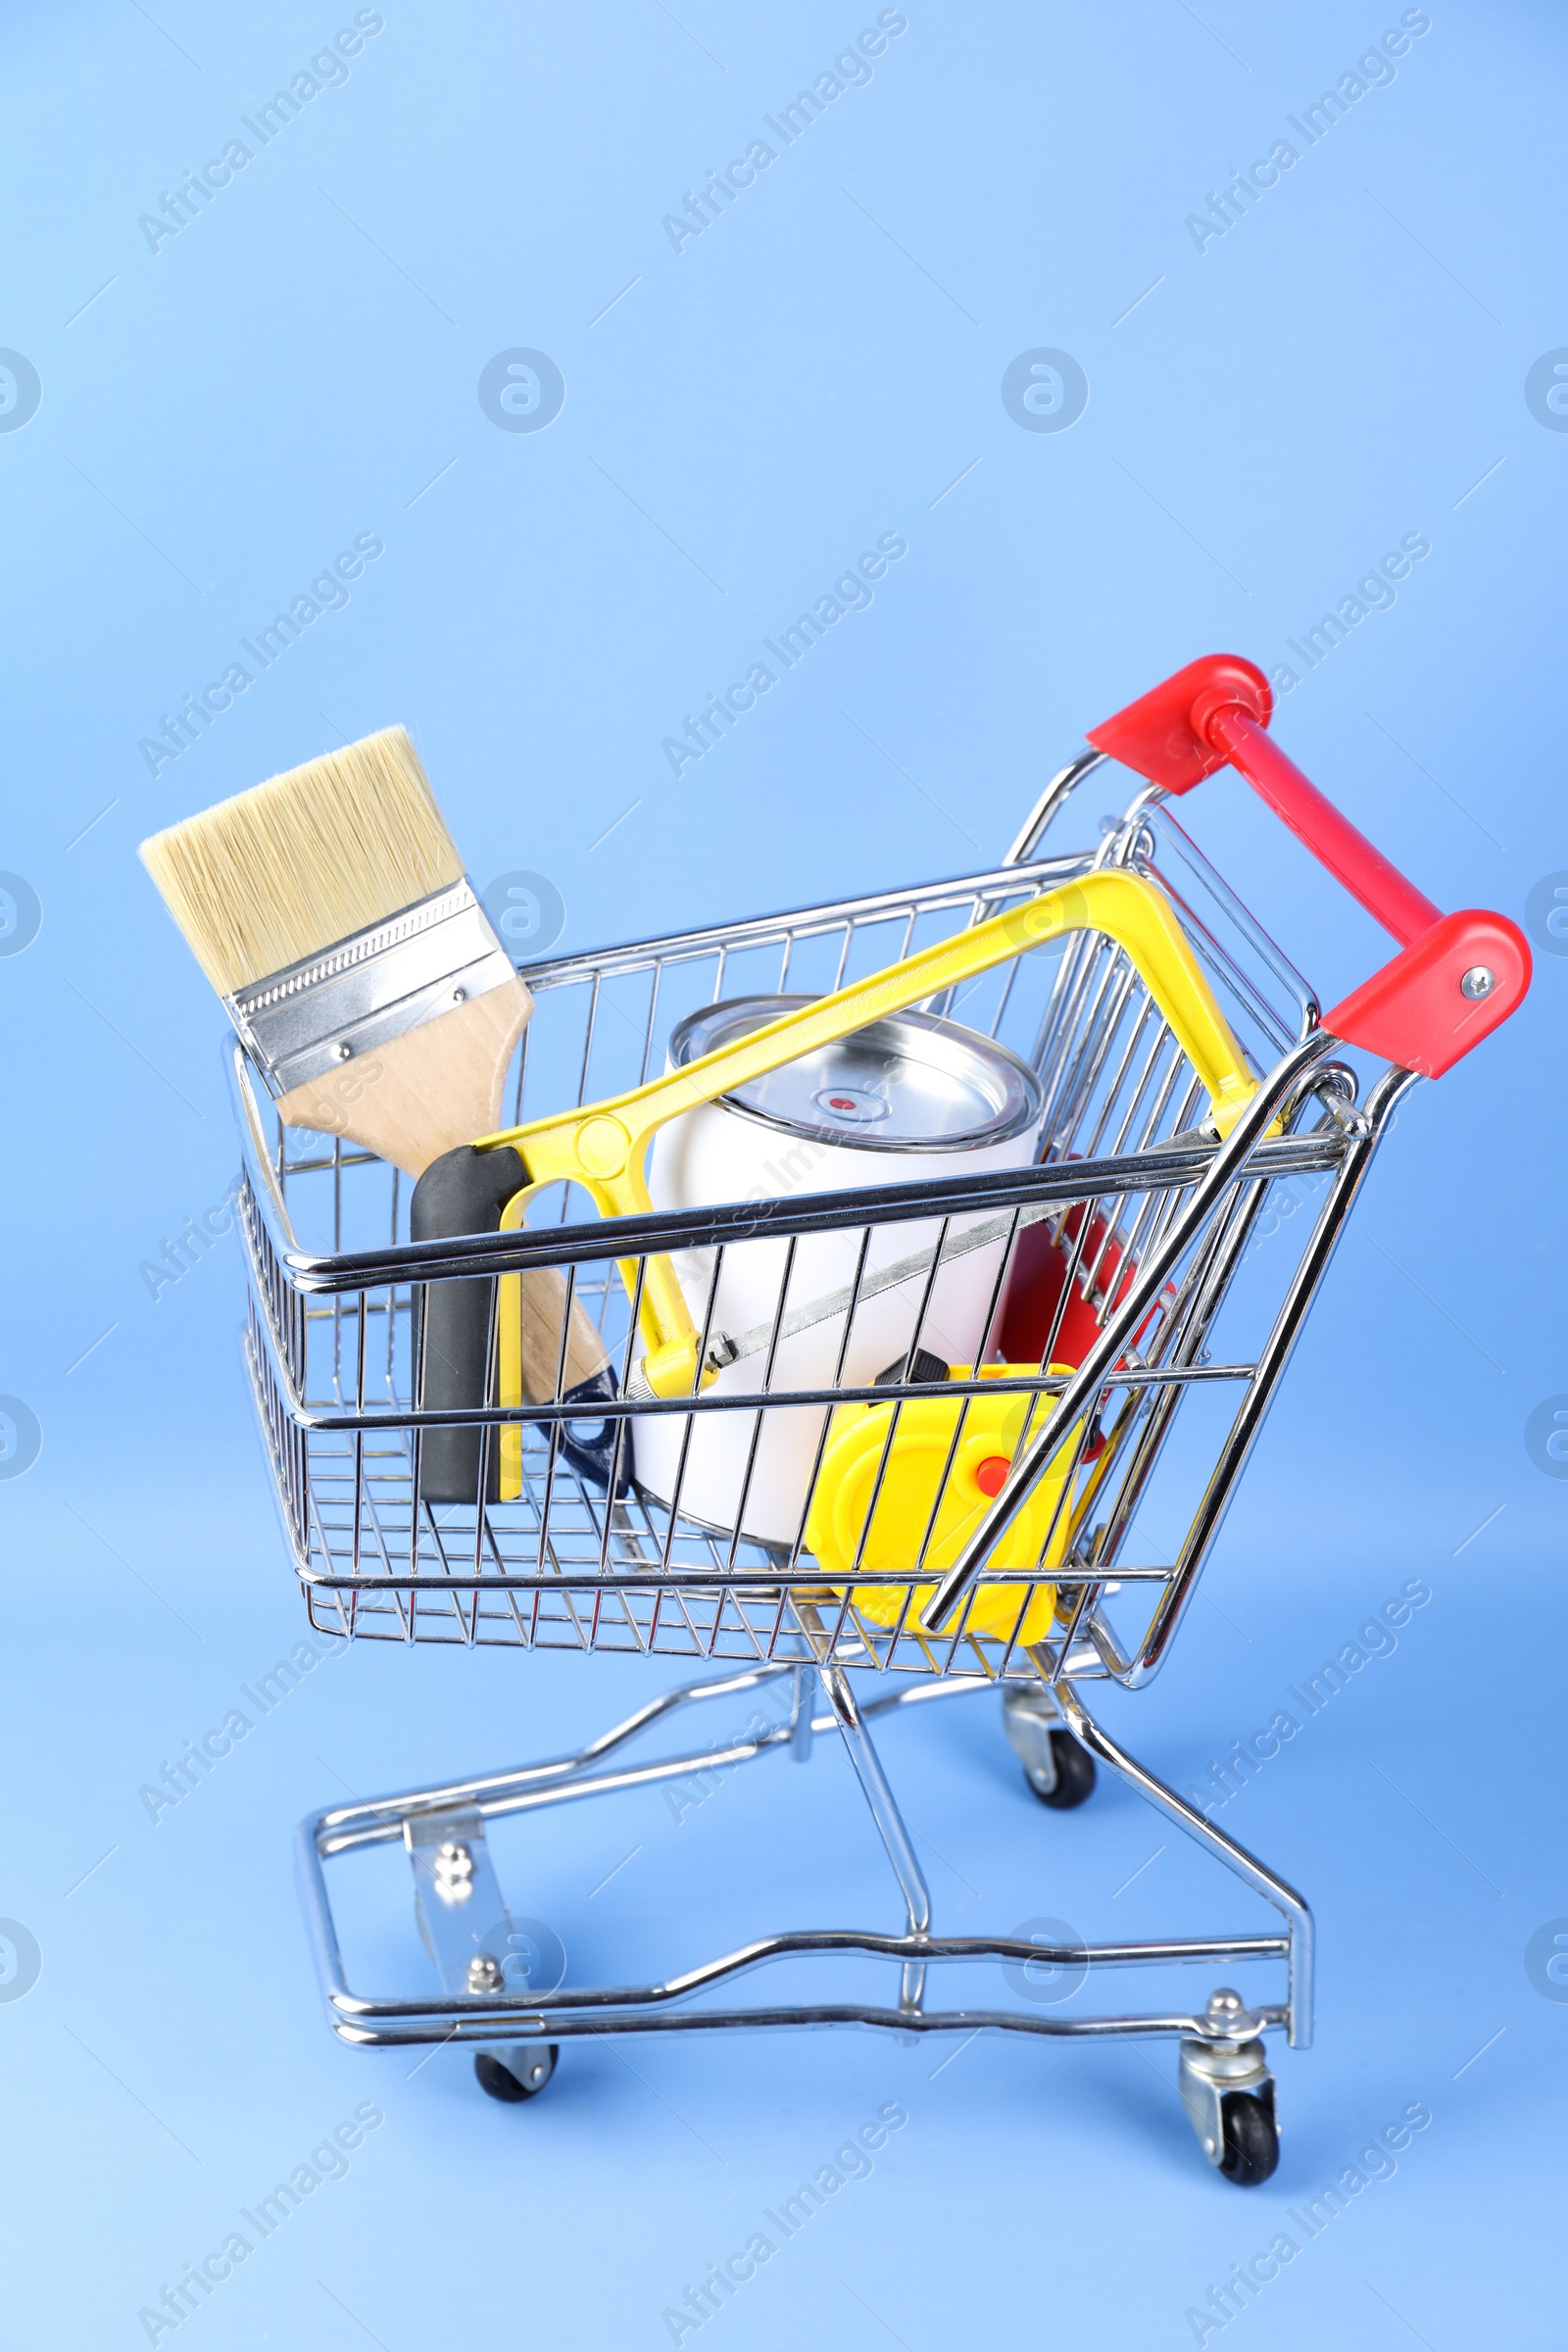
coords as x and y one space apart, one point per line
1133 1291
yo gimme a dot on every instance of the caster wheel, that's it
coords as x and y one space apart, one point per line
1075 1774
1251 2138
529 2070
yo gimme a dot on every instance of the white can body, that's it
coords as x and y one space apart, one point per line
720 1152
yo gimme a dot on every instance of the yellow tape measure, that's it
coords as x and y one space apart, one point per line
933 1472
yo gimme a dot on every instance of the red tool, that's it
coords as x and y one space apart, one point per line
1041 1262
1459 975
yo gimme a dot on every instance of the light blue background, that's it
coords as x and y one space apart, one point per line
300 366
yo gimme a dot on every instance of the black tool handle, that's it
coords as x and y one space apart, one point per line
462 1191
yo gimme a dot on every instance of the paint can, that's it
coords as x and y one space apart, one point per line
910 1097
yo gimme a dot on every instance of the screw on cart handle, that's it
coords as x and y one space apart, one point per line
1459 975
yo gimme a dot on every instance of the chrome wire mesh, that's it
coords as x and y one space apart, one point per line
1049 1256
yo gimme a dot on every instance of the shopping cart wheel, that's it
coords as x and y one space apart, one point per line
1228 2093
1061 1773
1251 2137
520 2073
1074 1775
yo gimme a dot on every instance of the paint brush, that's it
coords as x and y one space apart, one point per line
329 909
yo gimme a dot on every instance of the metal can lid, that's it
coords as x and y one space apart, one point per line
908 1082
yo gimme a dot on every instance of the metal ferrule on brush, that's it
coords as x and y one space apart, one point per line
311 1017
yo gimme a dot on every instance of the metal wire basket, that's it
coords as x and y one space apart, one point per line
1155 1232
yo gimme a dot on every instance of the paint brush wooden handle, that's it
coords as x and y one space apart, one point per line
418 1099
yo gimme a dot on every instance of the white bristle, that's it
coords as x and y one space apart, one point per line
294 865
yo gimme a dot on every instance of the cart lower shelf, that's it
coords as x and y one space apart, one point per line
500 1978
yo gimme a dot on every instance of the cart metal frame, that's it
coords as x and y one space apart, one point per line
1127 1155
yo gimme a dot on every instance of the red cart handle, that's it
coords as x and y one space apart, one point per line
1459 975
